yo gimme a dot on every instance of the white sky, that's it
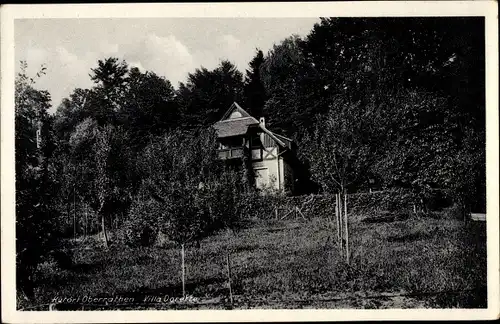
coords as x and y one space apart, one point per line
170 47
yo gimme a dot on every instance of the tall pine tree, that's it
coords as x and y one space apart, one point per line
254 92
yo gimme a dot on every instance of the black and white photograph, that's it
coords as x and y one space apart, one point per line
317 160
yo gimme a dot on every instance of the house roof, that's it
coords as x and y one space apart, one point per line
286 140
227 126
235 107
234 127
271 134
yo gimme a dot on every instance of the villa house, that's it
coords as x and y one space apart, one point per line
272 156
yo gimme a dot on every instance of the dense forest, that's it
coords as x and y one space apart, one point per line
385 102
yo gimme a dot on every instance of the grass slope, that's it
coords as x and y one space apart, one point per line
289 264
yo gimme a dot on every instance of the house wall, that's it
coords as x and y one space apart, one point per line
269 169
281 172
266 170
266 140
275 167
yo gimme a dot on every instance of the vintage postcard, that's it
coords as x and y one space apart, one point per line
249 161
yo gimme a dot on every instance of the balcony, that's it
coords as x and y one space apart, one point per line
231 153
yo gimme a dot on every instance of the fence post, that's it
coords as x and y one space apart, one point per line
341 219
337 219
183 273
74 214
228 264
340 224
346 229
464 211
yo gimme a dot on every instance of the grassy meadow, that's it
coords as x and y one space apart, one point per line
290 264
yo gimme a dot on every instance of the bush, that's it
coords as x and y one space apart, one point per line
453 212
141 227
63 258
184 219
230 201
371 204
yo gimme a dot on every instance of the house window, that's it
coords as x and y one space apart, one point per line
231 142
235 114
256 147
231 147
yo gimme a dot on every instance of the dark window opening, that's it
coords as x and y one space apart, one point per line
256 147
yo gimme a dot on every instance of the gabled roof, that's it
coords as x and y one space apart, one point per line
235 107
234 127
286 140
227 127
271 134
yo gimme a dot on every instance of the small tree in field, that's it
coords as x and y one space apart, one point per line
185 219
229 198
174 167
184 166
101 156
102 180
337 150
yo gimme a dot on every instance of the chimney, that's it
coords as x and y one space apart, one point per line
262 121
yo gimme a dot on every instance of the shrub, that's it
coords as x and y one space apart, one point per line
371 204
231 200
141 227
63 258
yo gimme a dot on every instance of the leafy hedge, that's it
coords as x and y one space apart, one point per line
323 206
264 206
225 208
142 225
401 201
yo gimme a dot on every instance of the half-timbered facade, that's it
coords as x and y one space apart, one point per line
240 134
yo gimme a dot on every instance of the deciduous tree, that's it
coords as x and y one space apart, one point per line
206 95
35 184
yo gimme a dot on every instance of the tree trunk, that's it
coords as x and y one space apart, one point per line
74 214
228 265
68 212
346 229
424 205
86 222
105 234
